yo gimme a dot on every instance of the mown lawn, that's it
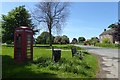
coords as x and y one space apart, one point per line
43 67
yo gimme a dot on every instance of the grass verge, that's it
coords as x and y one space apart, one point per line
108 45
44 67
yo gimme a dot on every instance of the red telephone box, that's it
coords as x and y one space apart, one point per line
23 44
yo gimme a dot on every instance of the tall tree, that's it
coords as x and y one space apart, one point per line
43 38
81 39
57 39
112 26
116 27
15 18
65 39
61 39
52 15
74 41
117 32
94 40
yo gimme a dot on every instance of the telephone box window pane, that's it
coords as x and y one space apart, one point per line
28 30
29 42
18 46
28 45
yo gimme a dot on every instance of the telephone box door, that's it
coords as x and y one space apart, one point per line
18 45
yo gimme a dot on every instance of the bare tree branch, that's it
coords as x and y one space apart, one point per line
53 14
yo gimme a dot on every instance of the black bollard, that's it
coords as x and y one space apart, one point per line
56 54
73 51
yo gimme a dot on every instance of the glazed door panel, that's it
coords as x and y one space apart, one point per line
18 46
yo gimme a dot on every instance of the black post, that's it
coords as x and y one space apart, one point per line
73 51
56 54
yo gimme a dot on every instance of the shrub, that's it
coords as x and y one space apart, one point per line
106 41
108 45
54 67
8 42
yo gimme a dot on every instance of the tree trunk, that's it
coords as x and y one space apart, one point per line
50 38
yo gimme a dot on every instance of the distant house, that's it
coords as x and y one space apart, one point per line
112 34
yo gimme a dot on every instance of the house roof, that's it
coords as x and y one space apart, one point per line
110 32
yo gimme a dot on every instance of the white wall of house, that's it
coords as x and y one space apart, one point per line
117 42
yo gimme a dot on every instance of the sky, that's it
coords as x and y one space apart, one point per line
87 19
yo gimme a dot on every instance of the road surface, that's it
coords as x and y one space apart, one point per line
110 60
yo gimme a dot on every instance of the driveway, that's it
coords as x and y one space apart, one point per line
109 63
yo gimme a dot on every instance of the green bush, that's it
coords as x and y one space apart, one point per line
106 41
108 45
8 42
53 67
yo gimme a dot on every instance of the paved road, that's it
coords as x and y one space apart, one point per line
110 60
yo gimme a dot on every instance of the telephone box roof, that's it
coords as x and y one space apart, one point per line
24 27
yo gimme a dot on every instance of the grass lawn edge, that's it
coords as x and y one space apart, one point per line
100 73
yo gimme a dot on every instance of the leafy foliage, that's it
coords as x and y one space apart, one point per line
91 41
57 39
94 40
87 42
116 27
15 18
65 39
74 65
44 38
61 39
81 39
117 32
112 26
108 45
106 41
74 41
